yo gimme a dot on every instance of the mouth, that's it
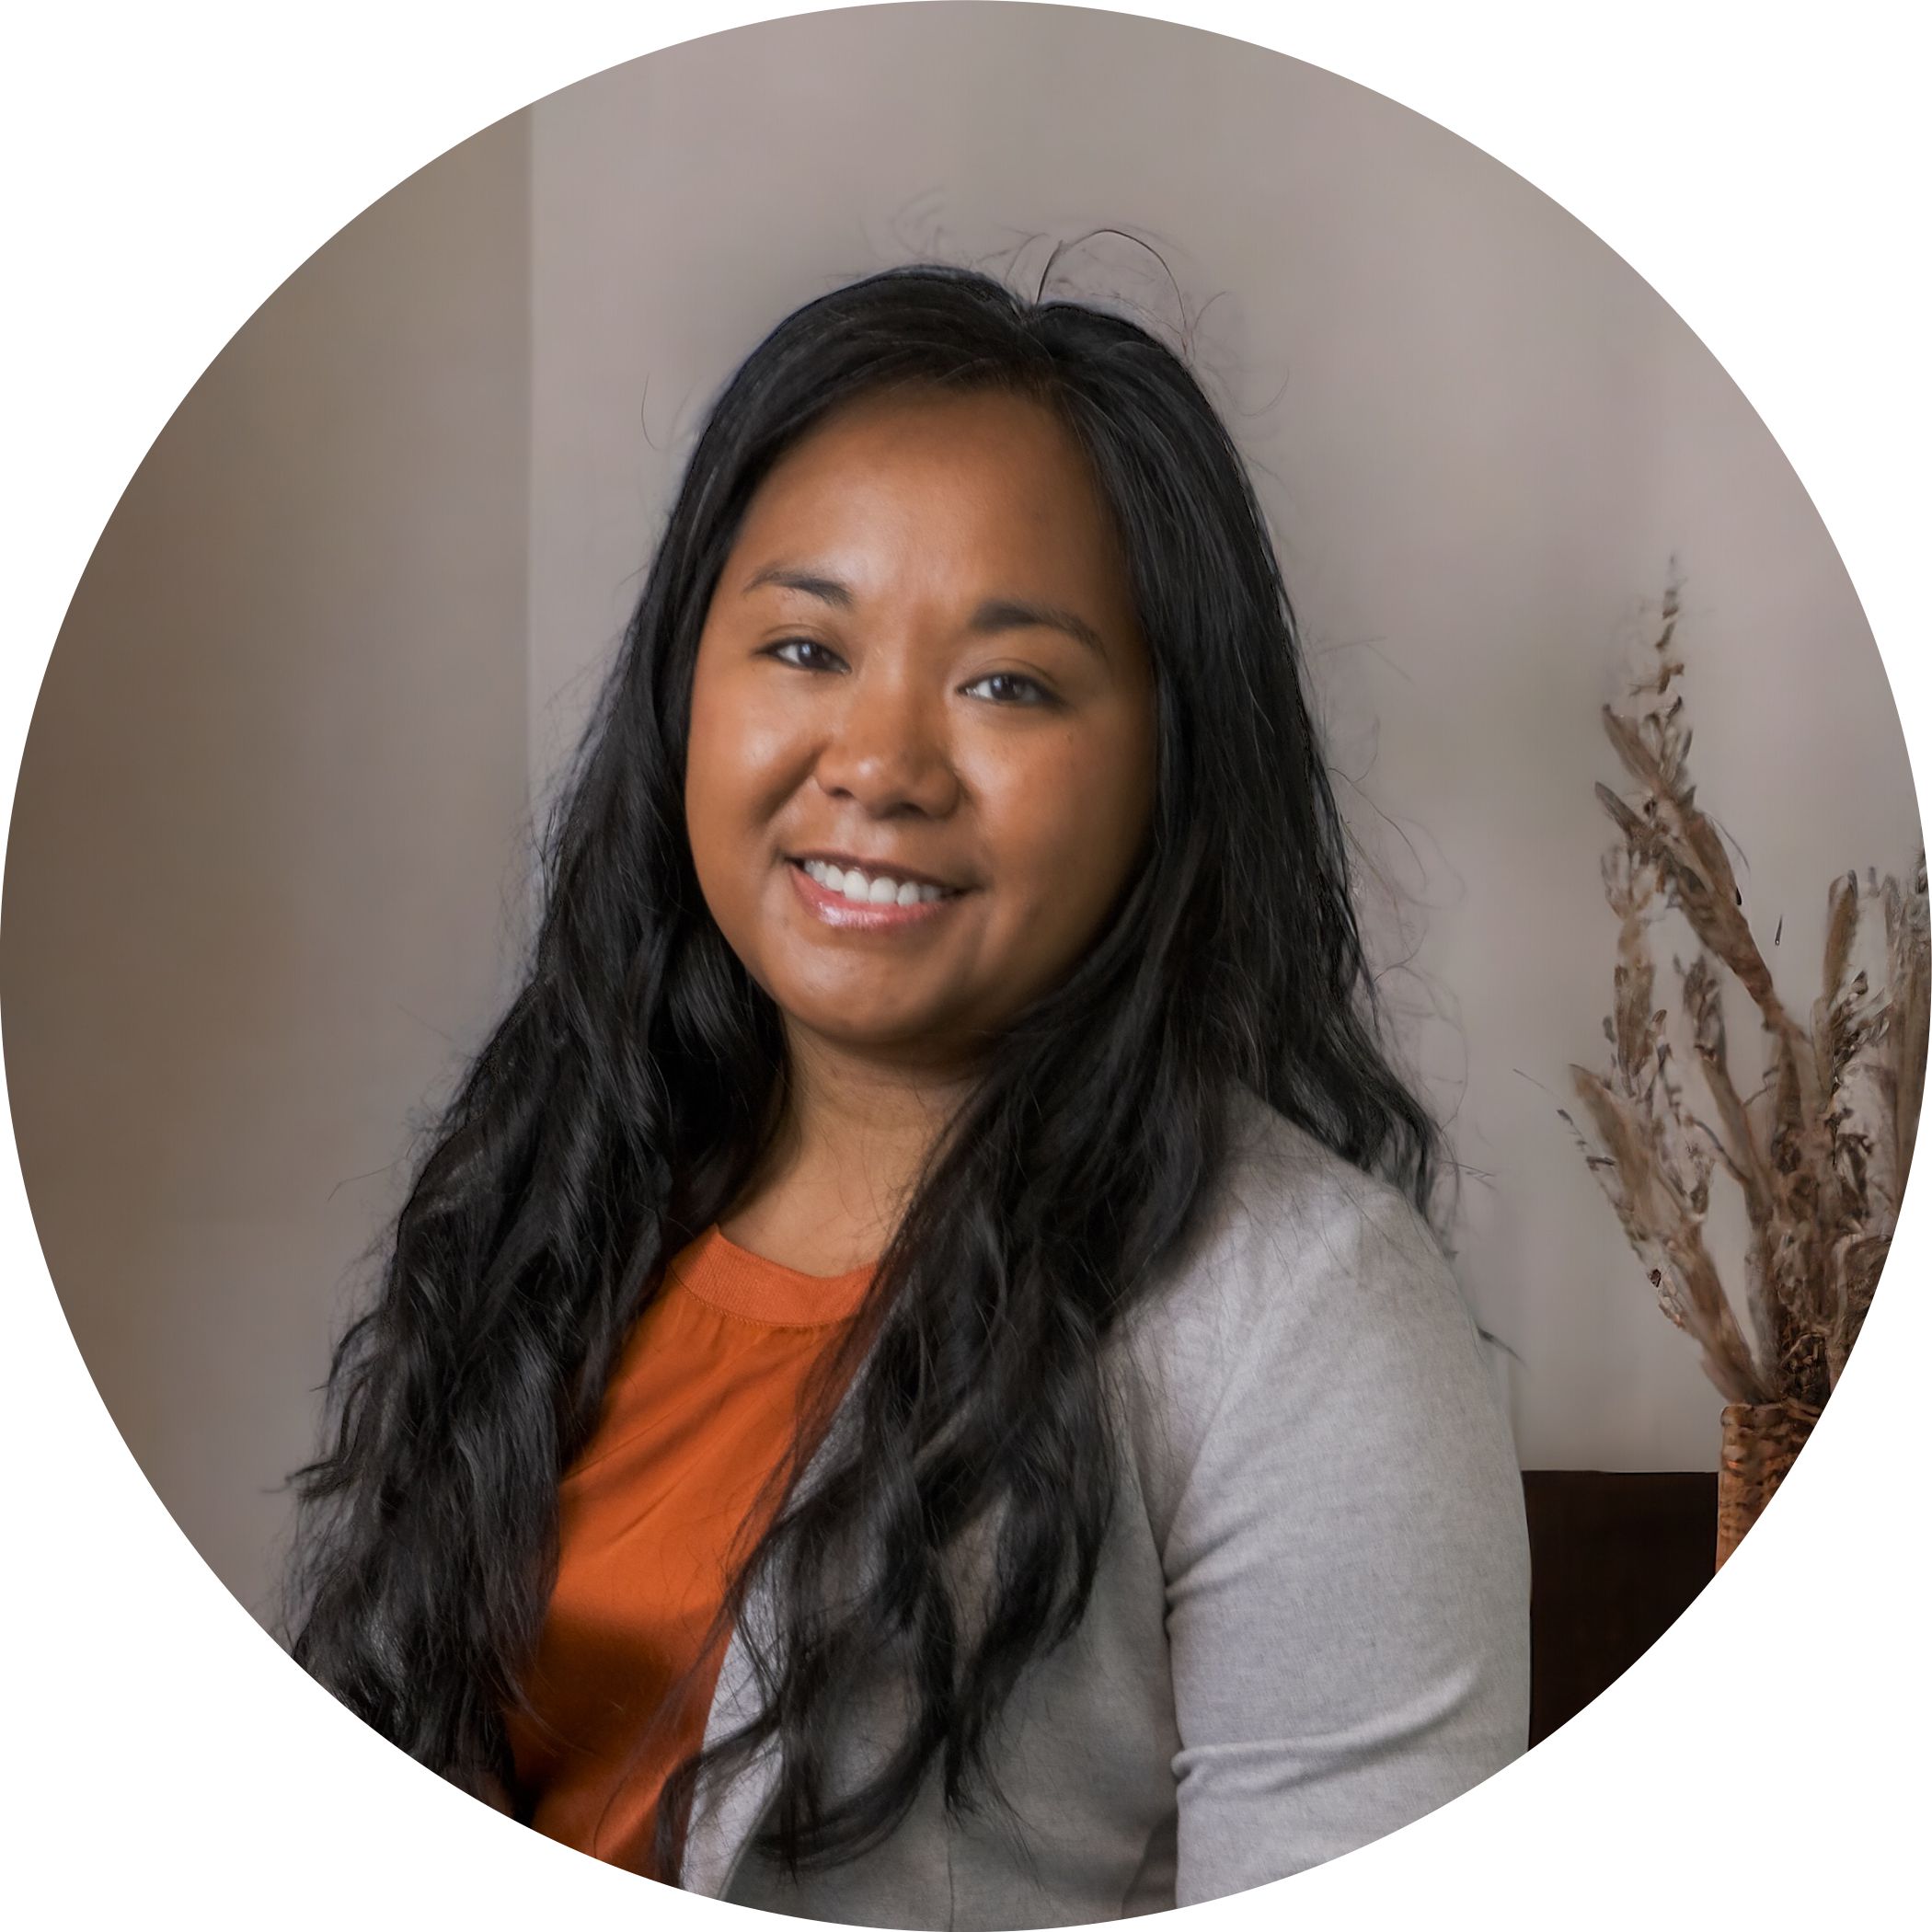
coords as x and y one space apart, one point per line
843 893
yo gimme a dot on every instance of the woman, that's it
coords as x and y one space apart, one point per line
915 1385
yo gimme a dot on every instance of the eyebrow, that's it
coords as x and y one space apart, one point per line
994 615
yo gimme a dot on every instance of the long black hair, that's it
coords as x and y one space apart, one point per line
631 1087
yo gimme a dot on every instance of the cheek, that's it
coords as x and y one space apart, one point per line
738 769
1068 820
743 748
710 757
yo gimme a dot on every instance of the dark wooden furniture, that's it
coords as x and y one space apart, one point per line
1615 1559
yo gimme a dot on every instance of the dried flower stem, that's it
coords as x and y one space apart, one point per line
1820 1151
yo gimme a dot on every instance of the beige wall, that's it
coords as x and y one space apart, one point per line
1479 436
262 857
268 864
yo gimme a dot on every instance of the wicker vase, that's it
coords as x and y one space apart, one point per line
1761 1442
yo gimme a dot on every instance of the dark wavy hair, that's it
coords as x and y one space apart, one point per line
637 1077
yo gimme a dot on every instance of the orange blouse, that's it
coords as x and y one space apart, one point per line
701 1405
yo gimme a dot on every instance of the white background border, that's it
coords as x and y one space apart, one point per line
166 167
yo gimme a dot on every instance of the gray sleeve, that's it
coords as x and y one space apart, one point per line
1347 1561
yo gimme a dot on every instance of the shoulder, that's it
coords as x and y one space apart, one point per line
1295 1242
1312 1315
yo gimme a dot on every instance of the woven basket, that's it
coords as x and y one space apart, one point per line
1761 1442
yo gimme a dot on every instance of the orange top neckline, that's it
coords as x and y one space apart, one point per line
716 1271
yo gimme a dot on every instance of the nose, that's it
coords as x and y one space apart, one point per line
887 751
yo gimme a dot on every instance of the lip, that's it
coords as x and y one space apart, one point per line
835 910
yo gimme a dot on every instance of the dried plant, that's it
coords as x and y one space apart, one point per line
1821 1149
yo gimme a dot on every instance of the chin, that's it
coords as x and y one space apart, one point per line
898 1034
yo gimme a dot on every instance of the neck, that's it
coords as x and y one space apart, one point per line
847 1156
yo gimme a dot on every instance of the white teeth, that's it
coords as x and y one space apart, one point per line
856 887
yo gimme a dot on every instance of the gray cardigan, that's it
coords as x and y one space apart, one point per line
1311 1620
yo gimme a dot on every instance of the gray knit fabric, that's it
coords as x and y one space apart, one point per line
1311 1623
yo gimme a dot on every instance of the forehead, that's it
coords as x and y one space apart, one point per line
938 485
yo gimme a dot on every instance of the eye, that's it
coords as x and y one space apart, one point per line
805 653
1009 687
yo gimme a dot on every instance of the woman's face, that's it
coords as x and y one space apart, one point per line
921 763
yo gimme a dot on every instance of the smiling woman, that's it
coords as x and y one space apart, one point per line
921 764
916 1387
